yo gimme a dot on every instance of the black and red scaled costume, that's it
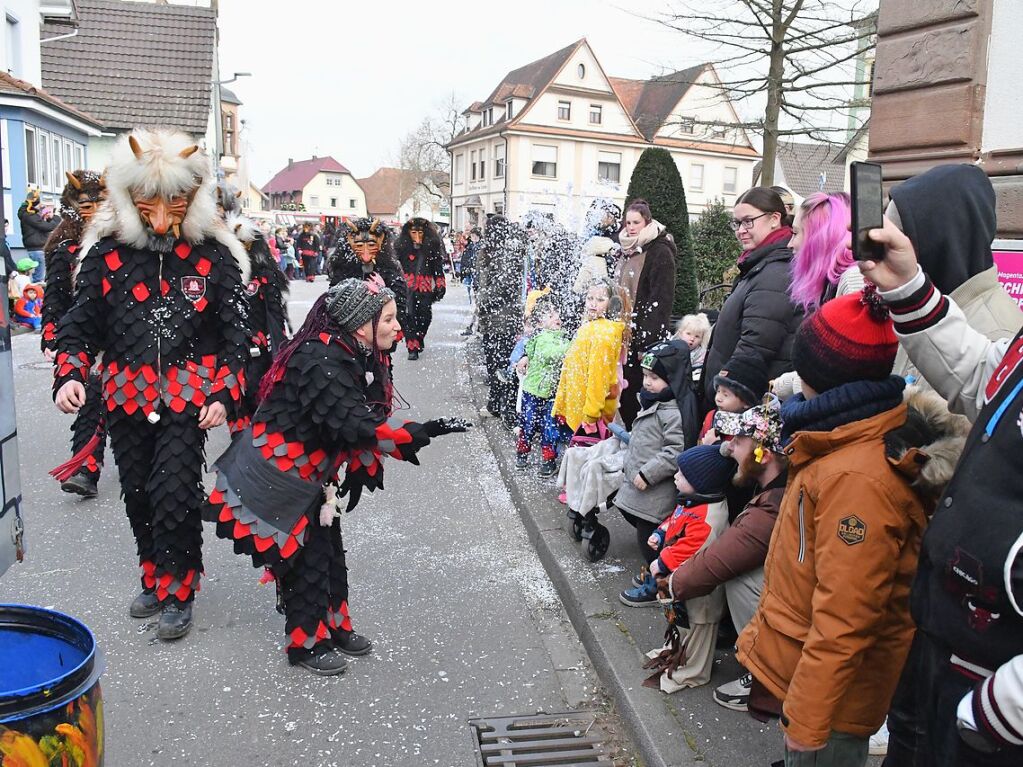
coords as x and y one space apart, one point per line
329 409
58 298
267 291
364 247
174 335
421 256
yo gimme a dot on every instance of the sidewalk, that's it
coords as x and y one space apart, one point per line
668 730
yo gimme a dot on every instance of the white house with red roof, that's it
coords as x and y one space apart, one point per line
323 185
559 132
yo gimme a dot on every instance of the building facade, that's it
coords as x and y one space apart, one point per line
322 185
558 133
394 195
42 135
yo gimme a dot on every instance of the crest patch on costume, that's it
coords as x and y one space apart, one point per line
194 287
252 288
852 530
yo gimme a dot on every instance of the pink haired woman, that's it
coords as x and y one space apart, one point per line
823 266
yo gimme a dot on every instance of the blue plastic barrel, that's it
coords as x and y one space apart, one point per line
51 705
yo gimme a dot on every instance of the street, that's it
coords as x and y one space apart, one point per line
465 622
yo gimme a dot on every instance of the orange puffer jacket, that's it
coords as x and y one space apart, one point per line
832 631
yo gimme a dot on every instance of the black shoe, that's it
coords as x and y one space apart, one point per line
175 622
521 460
510 421
413 356
324 662
467 332
548 468
351 643
80 484
145 605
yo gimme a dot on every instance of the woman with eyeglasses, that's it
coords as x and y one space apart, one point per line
758 316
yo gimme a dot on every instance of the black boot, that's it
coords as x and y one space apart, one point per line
351 643
322 660
548 467
175 622
82 484
521 460
145 605
413 356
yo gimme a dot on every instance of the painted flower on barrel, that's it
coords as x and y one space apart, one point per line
72 745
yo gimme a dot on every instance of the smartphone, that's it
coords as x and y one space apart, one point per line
867 209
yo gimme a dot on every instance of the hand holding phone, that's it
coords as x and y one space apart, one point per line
867 210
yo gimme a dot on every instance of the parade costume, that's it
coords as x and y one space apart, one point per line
325 413
160 294
421 256
365 246
28 309
307 245
267 291
82 194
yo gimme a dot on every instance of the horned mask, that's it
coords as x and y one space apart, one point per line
366 238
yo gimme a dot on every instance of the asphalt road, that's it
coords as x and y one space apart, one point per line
464 619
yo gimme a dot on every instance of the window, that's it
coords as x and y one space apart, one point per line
229 121
509 110
79 156
581 71
596 114
719 132
57 155
609 166
472 165
43 158
696 177
13 48
351 203
483 164
687 125
564 110
545 161
31 173
6 152
488 117
499 208
459 173
333 202
69 155
314 201
499 161
731 180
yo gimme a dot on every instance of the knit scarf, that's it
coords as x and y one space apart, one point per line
634 244
844 404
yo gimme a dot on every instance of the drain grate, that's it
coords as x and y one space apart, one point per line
544 740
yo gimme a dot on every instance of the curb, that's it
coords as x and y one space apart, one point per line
650 722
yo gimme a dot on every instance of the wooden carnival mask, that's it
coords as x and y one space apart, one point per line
367 242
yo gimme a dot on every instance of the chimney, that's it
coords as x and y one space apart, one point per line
314 157
291 162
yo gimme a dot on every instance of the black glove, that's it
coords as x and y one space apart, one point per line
439 293
440 426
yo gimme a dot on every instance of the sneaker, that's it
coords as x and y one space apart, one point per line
145 605
735 695
521 461
548 468
638 579
324 662
640 596
879 741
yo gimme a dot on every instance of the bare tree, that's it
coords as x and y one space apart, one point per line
422 154
802 54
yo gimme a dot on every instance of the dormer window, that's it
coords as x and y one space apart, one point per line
509 112
581 71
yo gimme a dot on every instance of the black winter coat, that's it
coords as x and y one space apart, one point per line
655 293
35 230
758 315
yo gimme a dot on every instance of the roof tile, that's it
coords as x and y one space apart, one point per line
296 175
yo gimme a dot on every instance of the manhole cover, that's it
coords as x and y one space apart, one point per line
557 740
41 365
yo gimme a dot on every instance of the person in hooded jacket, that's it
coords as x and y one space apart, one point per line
758 314
948 213
646 272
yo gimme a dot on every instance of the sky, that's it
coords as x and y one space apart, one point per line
331 80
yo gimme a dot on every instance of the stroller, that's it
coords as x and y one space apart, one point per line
585 527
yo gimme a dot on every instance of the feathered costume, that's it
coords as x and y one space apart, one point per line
325 416
267 291
82 193
160 293
420 254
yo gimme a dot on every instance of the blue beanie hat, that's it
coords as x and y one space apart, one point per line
706 469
